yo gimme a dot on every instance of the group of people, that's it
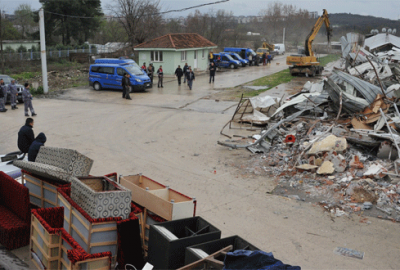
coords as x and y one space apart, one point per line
266 59
27 143
12 90
187 74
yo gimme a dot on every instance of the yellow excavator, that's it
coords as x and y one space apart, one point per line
308 64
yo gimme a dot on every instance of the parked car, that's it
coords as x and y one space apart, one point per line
108 72
280 48
243 52
7 80
243 62
226 61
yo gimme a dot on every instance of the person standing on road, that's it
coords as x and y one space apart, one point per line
185 69
179 74
126 86
150 73
35 146
269 58
190 78
160 74
26 136
212 72
12 88
144 66
250 59
3 96
264 59
27 98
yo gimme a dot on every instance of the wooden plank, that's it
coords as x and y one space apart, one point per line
210 259
104 229
65 263
109 243
50 202
74 211
80 234
34 195
51 189
90 237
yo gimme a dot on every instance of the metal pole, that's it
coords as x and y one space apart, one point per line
1 42
284 36
43 51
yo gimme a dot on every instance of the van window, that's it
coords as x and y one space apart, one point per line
105 70
121 71
95 69
224 58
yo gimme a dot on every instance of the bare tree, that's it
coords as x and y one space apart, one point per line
24 19
140 19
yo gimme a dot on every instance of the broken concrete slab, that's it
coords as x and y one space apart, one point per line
376 171
330 143
326 168
307 167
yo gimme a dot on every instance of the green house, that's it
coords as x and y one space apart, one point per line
176 49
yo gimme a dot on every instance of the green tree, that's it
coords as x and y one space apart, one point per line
24 18
76 20
8 31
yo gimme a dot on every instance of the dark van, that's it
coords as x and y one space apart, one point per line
107 73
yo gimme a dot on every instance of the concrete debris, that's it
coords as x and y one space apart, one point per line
326 168
330 143
337 138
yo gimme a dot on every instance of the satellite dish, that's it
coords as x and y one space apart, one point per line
383 30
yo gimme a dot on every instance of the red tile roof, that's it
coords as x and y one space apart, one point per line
177 41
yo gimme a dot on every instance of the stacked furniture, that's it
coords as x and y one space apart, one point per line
53 248
168 240
14 213
158 202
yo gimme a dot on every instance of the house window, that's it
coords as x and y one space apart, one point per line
203 54
156 56
183 56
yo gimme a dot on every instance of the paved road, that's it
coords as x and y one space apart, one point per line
170 135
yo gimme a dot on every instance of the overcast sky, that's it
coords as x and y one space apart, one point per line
379 8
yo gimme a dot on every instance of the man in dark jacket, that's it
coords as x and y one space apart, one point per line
3 96
126 86
190 78
26 136
160 74
212 72
35 146
179 74
185 70
150 73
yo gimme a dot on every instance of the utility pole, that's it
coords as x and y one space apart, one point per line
284 36
1 41
43 51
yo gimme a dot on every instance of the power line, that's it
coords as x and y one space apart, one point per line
151 14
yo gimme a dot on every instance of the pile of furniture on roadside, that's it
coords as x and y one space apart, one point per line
73 220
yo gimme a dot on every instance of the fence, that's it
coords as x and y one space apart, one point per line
50 54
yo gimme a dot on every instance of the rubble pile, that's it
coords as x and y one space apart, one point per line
338 138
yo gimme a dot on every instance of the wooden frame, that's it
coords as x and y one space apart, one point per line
92 237
47 195
159 199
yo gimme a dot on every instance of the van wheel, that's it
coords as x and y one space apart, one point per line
232 66
97 86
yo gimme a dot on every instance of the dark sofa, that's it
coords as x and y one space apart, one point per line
15 213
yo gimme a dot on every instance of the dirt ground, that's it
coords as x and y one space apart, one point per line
170 135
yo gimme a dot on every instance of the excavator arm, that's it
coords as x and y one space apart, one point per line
271 47
310 38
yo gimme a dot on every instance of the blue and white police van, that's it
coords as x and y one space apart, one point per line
107 73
